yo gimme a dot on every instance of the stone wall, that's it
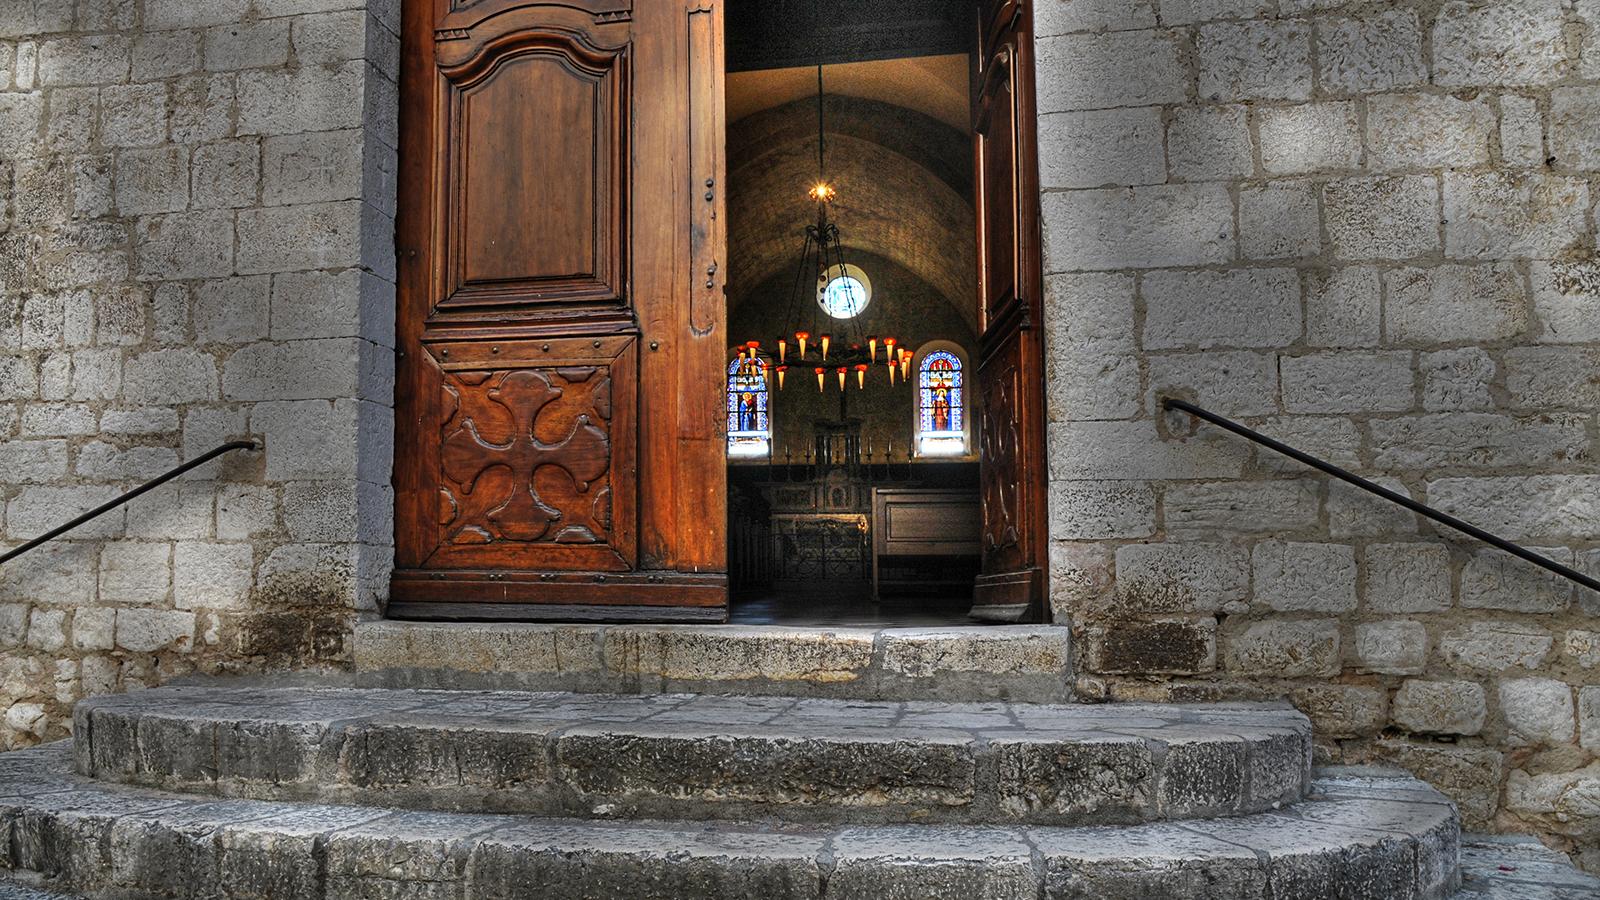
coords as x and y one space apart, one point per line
1367 229
196 245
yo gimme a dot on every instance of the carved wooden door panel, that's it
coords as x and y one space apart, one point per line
558 448
1010 367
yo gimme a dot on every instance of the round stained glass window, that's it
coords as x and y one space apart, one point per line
845 293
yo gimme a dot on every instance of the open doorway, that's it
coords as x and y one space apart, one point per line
856 319
565 397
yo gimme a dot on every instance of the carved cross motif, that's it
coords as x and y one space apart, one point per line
525 456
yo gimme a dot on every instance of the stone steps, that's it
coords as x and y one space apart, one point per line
1360 835
701 757
13 890
1021 663
1518 867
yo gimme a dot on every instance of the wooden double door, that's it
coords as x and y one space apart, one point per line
561 320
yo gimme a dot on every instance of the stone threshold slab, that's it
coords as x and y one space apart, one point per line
689 756
1026 663
1366 836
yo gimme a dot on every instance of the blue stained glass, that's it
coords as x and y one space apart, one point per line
749 431
941 428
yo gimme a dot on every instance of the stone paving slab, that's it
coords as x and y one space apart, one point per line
701 756
1518 867
1022 663
133 841
13 890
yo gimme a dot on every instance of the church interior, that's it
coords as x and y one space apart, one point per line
852 314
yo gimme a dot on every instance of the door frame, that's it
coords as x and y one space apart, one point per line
570 597
1019 592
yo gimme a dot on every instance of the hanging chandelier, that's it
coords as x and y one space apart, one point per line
825 335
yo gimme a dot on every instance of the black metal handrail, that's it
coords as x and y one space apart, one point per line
113 504
1423 509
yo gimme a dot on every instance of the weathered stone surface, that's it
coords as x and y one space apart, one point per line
1378 381
1264 60
1176 646
701 756
1469 776
1440 707
1574 113
1206 510
1180 578
1496 646
1583 647
1457 379
1529 506
1376 52
1509 215
1112 779
1137 451
1097 510
1342 307
1233 383
1566 301
954 663
1314 137
939 864
1279 221
1407 578
1093 15
1342 710
1514 42
1387 218
1551 377
1479 440
1097 71
1563 802
1101 148
1286 649
1242 308
1159 225
1450 304
1332 438
1394 647
1518 867
1102 863
1348 835
1589 717
564 861
1304 577
1428 131
1495 580
1537 711
1209 142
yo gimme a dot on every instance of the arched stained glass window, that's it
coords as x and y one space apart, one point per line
941 412
749 428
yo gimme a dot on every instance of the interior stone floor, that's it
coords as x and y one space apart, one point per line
768 608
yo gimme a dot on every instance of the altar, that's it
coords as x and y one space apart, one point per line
816 525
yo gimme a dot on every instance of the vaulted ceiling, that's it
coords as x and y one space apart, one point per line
898 153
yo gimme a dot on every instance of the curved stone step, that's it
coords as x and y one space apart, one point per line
1014 662
702 757
1518 867
1382 838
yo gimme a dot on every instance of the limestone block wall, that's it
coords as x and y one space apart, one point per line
1368 229
196 245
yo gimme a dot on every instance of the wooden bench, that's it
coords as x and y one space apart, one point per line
922 523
